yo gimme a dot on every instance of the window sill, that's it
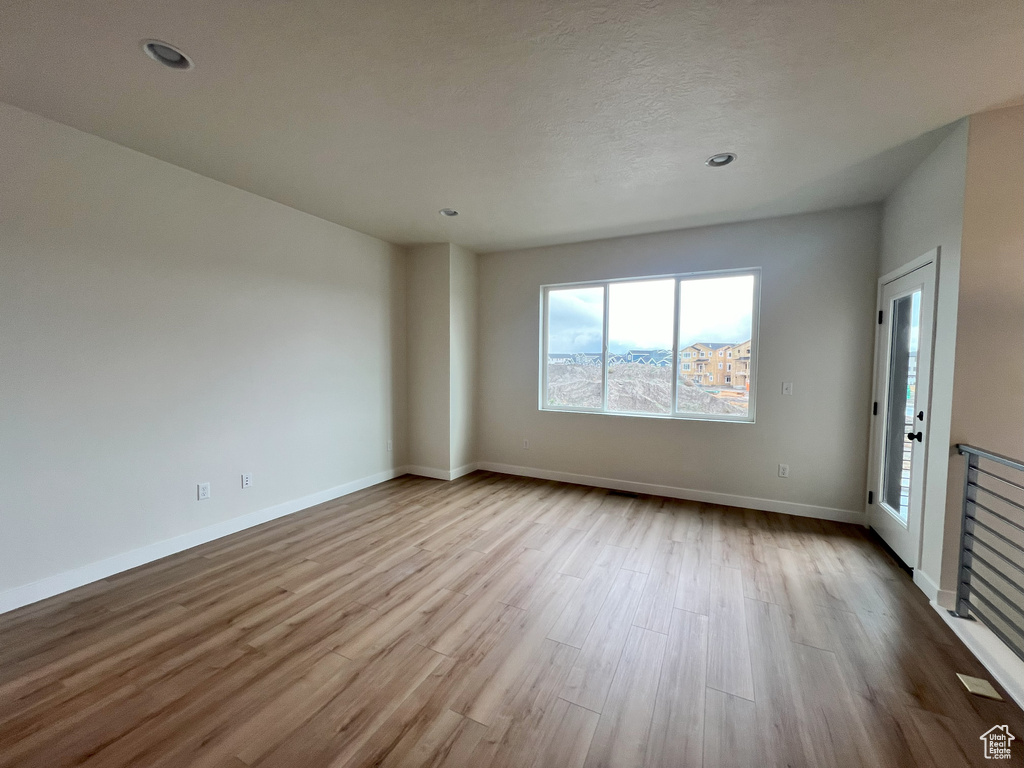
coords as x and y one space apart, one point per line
661 416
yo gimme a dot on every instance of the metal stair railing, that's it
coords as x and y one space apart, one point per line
990 581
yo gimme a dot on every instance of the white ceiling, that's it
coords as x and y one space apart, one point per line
542 121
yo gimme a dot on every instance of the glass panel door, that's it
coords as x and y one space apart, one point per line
899 427
901 403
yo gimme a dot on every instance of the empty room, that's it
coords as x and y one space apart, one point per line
519 384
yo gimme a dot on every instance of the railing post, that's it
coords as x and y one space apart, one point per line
963 576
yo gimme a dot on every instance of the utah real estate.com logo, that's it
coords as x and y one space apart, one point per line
997 742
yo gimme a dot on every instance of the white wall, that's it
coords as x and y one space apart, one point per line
817 315
463 330
429 342
159 329
926 211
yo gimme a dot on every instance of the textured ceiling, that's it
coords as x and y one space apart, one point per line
541 121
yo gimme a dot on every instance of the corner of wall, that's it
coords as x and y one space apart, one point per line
924 212
400 359
988 381
154 337
429 356
463 370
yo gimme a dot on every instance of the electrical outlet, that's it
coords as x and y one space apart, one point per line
247 481
526 444
203 490
390 446
783 470
787 387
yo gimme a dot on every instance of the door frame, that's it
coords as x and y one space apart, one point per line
874 462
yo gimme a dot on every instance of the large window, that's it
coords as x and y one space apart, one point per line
616 346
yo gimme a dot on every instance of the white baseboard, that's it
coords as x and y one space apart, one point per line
463 470
77 577
690 494
431 472
945 598
999 660
86 574
440 474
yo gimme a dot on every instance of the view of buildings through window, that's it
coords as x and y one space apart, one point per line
636 369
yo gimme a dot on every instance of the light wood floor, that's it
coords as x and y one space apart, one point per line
497 621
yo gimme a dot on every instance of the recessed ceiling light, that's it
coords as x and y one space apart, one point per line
166 54
717 161
448 212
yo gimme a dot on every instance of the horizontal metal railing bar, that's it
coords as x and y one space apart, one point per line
994 476
976 534
994 569
995 630
992 588
1005 519
1016 629
1015 504
994 532
1004 460
995 551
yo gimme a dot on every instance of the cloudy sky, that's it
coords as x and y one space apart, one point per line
712 309
575 320
715 309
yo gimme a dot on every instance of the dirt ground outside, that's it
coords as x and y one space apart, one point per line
637 388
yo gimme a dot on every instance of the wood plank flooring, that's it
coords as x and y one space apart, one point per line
498 621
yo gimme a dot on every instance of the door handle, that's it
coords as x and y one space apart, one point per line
919 436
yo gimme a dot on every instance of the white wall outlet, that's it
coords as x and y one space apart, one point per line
247 481
787 387
390 446
526 444
203 491
783 470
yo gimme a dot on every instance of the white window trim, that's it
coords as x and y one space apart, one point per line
685 276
